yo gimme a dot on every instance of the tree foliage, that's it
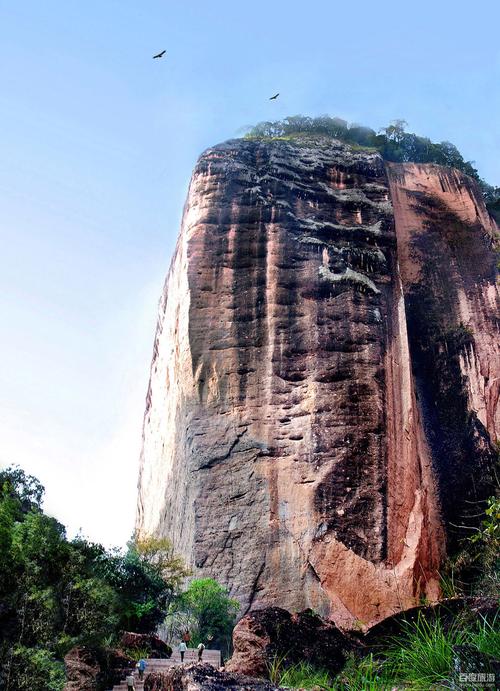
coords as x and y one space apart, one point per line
33 669
207 611
146 580
56 593
25 489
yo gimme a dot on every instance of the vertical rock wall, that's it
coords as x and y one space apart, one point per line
284 451
448 267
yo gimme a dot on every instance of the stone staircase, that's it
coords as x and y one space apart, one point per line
157 665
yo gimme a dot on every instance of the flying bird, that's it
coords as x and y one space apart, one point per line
273 98
160 55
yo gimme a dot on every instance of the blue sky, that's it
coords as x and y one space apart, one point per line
98 142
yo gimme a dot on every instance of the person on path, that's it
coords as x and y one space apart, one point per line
130 682
182 650
141 666
201 648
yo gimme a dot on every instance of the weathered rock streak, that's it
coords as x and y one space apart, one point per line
284 450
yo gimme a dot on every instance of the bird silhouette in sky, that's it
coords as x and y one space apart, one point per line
159 55
273 98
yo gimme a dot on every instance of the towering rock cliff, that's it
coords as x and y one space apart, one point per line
297 444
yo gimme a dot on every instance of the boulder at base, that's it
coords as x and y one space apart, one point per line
268 634
82 670
87 667
147 642
203 677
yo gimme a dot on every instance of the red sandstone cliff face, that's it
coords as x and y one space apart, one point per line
448 268
285 451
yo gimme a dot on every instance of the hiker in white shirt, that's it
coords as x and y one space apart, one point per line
182 650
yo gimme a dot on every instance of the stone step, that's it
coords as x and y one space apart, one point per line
213 657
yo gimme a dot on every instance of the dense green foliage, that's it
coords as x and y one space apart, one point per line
393 142
206 611
56 593
34 669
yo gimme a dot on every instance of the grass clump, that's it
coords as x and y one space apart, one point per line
305 676
486 638
301 675
276 668
137 654
367 674
421 657
423 654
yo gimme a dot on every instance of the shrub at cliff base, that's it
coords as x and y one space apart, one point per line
206 611
424 655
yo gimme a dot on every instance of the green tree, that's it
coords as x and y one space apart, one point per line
395 130
158 554
26 489
56 593
146 579
38 551
9 514
211 611
90 606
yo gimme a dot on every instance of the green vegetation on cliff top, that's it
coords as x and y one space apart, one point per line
393 142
